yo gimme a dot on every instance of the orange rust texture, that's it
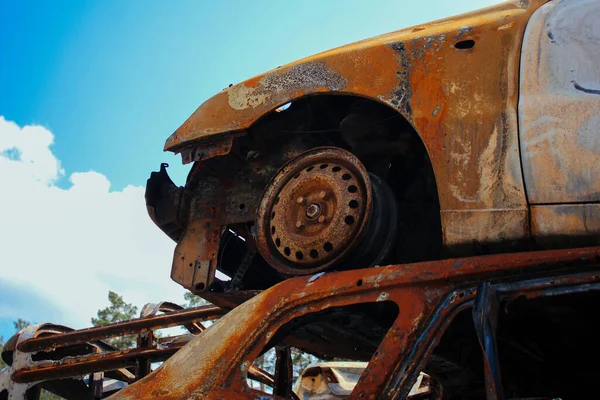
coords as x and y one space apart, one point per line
462 102
553 225
465 109
214 365
195 261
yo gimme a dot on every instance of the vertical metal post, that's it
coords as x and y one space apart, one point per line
97 385
144 340
283 372
96 382
485 317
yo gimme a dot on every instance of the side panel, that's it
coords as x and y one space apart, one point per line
559 104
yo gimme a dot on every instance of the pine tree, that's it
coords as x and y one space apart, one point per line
117 311
193 300
20 324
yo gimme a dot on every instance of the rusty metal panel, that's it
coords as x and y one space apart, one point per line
504 228
566 224
455 80
559 105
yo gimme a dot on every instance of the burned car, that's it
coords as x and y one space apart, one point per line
476 134
513 326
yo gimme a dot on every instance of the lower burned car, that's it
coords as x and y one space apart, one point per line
476 134
514 326
507 326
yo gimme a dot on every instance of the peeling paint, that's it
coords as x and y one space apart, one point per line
308 77
242 97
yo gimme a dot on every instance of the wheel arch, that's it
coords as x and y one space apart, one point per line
410 163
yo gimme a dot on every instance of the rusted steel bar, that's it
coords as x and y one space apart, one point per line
472 268
172 340
166 307
92 363
144 341
283 372
129 327
485 317
261 375
75 366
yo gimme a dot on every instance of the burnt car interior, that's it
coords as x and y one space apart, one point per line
346 333
545 346
350 332
545 349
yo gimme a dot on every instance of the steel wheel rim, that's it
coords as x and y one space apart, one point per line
313 211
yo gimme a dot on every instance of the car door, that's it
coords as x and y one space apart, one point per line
559 121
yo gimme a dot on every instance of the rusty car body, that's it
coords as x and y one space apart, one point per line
475 134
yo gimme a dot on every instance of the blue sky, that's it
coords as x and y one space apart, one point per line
112 79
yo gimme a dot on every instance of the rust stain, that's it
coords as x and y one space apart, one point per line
566 224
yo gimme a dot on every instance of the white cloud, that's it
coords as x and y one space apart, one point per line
73 245
27 153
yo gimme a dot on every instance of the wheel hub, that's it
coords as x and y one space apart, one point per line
313 211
